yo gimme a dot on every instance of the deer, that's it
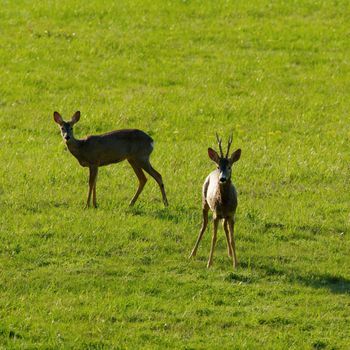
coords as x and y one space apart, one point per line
220 196
112 147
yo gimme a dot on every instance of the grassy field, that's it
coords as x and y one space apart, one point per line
276 73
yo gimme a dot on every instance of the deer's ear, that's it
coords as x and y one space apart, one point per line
57 118
235 156
213 155
75 117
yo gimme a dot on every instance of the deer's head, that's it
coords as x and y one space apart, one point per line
66 127
224 163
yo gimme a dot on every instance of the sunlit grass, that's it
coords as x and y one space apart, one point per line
276 74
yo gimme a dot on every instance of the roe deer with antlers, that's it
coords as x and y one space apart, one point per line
113 147
220 196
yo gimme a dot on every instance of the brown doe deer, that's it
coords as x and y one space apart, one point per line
220 196
113 147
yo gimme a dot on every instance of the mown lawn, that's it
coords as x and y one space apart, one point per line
276 73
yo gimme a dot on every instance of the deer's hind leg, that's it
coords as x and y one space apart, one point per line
213 242
146 165
142 181
201 232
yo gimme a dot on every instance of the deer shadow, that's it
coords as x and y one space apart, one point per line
335 283
175 215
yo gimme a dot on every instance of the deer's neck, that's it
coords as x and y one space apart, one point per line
224 190
74 147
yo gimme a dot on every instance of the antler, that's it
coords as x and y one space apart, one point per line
229 145
219 143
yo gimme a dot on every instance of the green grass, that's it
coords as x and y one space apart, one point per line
274 72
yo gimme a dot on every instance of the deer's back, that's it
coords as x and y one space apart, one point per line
221 199
115 146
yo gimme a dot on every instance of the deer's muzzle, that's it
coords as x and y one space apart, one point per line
222 179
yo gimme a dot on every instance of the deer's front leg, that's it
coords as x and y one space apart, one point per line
231 224
92 183
94 200
213 242
228 239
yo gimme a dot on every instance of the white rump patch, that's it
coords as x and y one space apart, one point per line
152 145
